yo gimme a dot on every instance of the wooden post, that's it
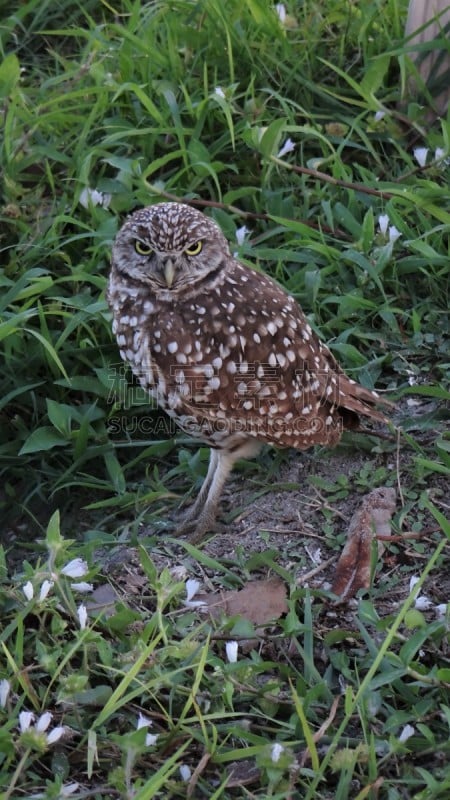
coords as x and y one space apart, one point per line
433 64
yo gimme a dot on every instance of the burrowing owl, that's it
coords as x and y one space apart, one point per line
222 348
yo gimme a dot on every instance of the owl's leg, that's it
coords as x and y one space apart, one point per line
202 514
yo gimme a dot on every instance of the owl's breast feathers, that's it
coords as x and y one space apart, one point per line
240 358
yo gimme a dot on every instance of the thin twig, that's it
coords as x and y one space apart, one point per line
323 176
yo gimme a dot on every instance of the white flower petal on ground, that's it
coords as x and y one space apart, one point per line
383 223
192 587
231 649
276 751
420 154
44 721
185 772
44 590
412 582
5 688
82 616
28 590
423 603
25 720
288 147
441 610
67 789
406 733
75 568
151 739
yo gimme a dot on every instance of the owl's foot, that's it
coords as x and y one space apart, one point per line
195 526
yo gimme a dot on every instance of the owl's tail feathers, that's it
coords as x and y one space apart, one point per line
356 400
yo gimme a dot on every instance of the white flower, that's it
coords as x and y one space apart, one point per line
379 115
75 568
144 722
439 154
44 590
55 734
406 733
82 616
412 582
420 154
27 717
82 587
5 688
441 610
25 720
276 751
232 651
219 92
185 772
241 234
68 788
394 234
288 147
28 590
43 721
383 222
423 602
192 587
94 197
281 11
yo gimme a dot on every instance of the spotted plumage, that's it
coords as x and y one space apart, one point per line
222 348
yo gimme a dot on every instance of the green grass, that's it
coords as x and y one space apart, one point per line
195 101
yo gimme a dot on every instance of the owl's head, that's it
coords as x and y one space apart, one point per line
169 246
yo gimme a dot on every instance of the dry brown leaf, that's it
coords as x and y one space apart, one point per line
103 600
371 519
260 602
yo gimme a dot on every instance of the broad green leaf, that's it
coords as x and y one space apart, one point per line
9 74
42 439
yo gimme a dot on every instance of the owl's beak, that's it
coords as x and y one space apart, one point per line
169 272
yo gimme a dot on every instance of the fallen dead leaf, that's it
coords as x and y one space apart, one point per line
260 602
371 519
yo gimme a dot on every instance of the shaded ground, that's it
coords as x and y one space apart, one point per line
293 514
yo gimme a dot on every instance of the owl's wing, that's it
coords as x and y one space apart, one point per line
261 371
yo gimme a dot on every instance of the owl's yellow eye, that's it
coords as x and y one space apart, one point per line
142 248
194 249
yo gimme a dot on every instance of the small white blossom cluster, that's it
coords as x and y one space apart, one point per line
423 603
26 718
144 722
390 230
94 198
76 568
421 155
